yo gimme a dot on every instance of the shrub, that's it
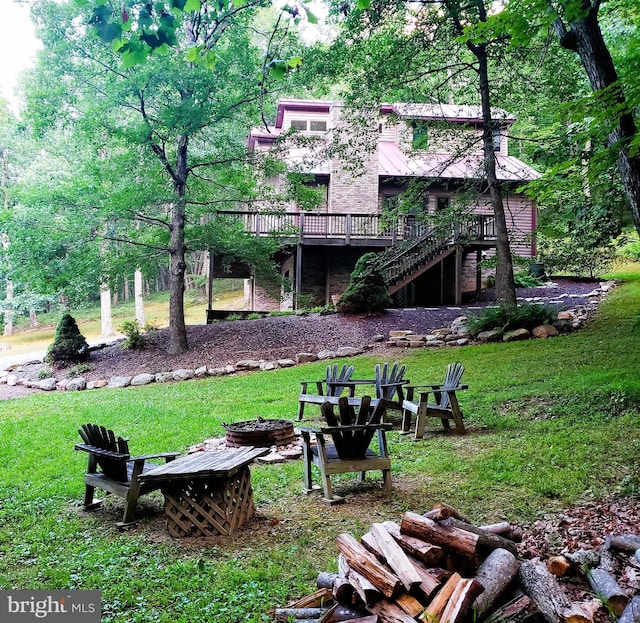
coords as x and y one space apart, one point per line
78 370
367 292
134 339
68 343
45 373
254 316
525 316
526 280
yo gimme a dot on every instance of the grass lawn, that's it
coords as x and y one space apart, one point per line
551 422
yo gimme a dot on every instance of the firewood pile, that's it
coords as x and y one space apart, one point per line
438 567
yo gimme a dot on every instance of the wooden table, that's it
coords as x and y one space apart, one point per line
207 493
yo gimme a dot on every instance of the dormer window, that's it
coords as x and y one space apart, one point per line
314 126
496 136
420 138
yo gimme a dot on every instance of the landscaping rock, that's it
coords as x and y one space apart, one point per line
119 381
306 357
348 351
248 364
286 363
183 374
77 384
545 330
517 335
47 385
494 335
143 379
164 377
327 354
201 372
99 384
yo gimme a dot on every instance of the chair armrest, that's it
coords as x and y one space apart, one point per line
108 454
329 430
160 455
308 429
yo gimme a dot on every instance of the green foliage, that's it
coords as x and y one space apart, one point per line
509 318
525 280
135 339
68 343
367 292
78 370
254 316
45 373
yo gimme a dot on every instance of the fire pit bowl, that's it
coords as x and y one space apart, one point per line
260 433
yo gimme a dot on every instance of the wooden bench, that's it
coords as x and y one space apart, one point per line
443 405
111 468
351 434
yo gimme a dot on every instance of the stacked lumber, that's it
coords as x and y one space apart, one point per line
440 568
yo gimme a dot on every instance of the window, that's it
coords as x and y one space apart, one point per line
317 126
309 125
442 204
420 135
496 135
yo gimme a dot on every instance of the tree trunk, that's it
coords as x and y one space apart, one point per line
8 314
177 249
137 297
505 283
106 319
585 38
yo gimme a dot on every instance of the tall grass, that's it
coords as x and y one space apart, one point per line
551 422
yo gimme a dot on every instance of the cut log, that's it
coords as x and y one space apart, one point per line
366 591
343 592
558 565
496 573
421 550
390 613
364 563
583 558
429 583
608 590
548 595
326 579
520 609
354 616
465 593
395 557
434 610
460 541
505 529
317 599
631 613
623 542
487 540
410 605
286 614
447 511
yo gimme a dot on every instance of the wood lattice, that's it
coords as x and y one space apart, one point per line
201 507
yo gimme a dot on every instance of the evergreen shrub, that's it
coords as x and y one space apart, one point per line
68 344
367 292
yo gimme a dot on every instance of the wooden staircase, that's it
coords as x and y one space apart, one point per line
404 262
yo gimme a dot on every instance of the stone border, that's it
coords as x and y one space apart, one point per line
456 335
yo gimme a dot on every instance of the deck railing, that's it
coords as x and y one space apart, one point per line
316 225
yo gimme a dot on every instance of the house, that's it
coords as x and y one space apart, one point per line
361 167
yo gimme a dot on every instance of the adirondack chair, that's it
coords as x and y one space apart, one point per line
443 404
389 384
112 469
351 434
328 386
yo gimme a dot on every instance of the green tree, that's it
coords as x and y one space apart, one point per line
610 110
165 136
